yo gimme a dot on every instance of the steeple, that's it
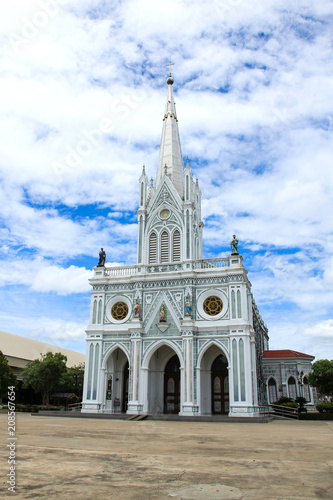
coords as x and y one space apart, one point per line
170 149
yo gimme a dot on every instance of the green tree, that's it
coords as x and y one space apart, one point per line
7 377
44 374
321 376
72 380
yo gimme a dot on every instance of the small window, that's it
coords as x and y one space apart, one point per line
99 315
152 248
272 391
94 312
292 388
164 247
176 246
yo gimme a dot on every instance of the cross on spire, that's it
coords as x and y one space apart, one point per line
170 64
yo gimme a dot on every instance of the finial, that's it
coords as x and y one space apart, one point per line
187 161
143 168
151 182
170 80
165 169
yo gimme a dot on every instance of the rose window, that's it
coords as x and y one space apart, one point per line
119 310
213 305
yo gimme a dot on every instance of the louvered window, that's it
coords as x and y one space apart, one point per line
94 312
176 246
164 247
152 248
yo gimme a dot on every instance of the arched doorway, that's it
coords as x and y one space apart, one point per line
172 386
116 383
220 385
163 386
214 381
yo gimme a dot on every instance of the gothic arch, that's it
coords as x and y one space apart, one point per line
271 382
176 233
155 213
292 387
156 345
209 344
110 351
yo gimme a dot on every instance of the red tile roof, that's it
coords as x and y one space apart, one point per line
286 353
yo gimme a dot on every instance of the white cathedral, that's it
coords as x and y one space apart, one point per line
174 333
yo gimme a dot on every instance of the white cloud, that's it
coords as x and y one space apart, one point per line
38 275
253 89
323 329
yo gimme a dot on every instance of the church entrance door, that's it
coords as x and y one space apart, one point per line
220 385
125 387
172 386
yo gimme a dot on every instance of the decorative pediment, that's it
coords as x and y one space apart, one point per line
165 193
172 312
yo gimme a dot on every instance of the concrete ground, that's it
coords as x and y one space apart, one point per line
64 458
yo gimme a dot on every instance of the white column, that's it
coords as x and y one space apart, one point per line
133 404
187 404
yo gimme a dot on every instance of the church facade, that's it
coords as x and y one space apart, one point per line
174 333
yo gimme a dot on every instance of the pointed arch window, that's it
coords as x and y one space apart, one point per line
164 247
292 388
141 195
242 369
176 246
140 239
239 304
96 367
187 187
153 248
235 369
99 315
272 392
90 366
94 312
187 234
233 304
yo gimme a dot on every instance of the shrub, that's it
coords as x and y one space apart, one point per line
290 404
325 407
283 400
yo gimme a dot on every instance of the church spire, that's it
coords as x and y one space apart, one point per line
170 149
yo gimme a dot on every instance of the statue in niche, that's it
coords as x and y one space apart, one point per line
234 244
162 314
137 310
187 308
102 257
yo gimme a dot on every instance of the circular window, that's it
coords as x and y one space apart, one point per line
212 305
119 311
164 213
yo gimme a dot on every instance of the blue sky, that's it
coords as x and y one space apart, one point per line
83 94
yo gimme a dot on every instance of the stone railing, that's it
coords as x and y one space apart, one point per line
196 265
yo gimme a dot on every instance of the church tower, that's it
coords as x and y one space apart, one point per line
175 333
169 214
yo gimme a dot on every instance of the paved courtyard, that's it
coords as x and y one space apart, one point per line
65 458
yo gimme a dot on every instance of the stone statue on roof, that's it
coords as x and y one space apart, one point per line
102 257
234 244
